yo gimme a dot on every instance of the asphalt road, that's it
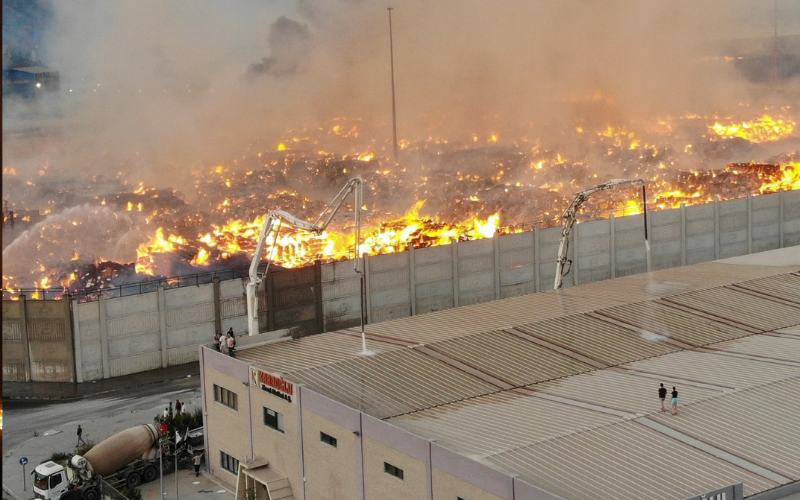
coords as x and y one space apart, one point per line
36 430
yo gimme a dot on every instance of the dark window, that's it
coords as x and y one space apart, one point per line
55 480
325 438
226 397
273 419
391 469
228 463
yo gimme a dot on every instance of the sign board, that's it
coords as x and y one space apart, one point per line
732 492
23 460
274 384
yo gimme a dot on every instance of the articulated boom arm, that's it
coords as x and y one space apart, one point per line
571 216
354 185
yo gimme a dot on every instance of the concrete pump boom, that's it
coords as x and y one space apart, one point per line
354 185
571 216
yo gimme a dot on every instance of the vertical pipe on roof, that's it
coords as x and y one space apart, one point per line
366 300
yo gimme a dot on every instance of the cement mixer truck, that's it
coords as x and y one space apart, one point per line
128 458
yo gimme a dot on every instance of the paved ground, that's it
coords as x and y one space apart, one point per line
43 420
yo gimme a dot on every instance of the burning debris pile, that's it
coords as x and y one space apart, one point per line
92 234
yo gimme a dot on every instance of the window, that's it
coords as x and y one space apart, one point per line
273 419
55 480
228 463
327 439
391 469
226 397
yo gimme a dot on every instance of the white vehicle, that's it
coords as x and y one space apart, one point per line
128 458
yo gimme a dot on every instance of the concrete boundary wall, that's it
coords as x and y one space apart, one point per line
37 341
130 334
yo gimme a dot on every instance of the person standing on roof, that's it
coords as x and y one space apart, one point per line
217 340
674 401
231 341
662 395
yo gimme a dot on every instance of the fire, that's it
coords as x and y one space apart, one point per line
758 131
158 244
789 179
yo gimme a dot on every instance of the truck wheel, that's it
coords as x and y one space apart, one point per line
150 473
90 493
134 480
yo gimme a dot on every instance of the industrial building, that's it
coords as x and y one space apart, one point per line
542 396
30 81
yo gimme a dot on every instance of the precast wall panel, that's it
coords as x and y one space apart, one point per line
341 296
233 305
433 279
389 286
133 334
16 365
548 242
593 252
629 247
517 264
189 321
765 223
88 345
475 268
49 328
700 233
733 228
665 231
791 217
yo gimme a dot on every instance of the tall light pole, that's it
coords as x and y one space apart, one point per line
394 109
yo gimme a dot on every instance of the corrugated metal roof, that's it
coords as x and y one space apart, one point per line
392 383
716 369
308 352
576 429
499 422
663 319
509 357
624 461
622 390
606 342
747 309
760 424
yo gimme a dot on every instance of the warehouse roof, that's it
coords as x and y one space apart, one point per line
558 388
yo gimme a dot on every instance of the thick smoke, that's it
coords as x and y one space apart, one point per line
157 86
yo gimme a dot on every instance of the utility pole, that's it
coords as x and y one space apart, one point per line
394 109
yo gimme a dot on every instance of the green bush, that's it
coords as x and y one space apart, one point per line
60 457
86 446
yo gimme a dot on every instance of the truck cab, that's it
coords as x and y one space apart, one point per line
50 481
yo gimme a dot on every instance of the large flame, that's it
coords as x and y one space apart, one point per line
758 131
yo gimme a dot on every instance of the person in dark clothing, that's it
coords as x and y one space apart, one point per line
674 401
662 395
80 436
178 405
